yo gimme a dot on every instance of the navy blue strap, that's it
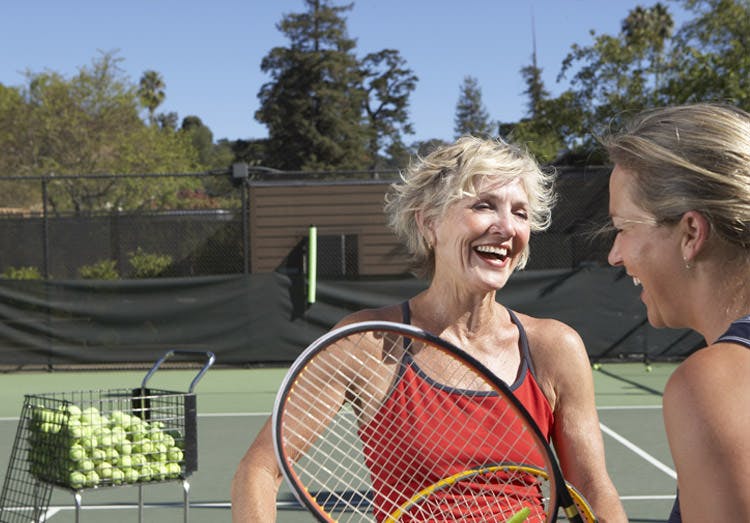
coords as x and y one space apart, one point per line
738 332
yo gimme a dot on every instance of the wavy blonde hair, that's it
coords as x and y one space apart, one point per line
690 157
452 172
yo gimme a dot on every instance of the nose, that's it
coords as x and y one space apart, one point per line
504 223
614 257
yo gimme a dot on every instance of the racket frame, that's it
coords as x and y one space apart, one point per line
562 496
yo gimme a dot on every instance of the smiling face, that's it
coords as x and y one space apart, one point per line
480 239
649 252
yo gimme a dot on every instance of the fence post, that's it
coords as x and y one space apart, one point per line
45 231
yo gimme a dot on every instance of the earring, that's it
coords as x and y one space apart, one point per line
687 263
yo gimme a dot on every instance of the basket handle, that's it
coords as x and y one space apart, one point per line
209 361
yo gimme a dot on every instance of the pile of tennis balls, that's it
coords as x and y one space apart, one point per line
83 448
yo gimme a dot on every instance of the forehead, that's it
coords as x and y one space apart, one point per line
621 190
491 185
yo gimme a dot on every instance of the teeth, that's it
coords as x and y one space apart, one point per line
636 281
491 249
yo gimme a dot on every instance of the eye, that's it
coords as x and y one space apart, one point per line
482 205
522 213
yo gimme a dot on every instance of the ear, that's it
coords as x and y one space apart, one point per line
695 230
425 228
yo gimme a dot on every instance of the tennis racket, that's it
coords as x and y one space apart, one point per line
383 422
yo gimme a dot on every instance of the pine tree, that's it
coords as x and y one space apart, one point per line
471 115
313 105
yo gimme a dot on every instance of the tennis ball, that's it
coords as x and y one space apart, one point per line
90 414
85 465
89 442
139 461
131 475
98 455
77 452
118 476
111 455
159 449
104 469
92 478
173 470
76 479
74 429
124 447
649 368
121 419
137 432
174 455
597 366
159 471
146 473
144 446
168 440
125 462
73 410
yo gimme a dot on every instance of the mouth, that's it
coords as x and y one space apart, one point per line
492 252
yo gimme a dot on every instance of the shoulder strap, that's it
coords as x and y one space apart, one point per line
738 332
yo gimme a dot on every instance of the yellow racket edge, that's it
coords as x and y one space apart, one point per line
584 509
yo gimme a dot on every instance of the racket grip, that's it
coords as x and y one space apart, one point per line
520 516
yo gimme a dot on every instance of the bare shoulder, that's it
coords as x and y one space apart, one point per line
547 335
387 313
709 376
560 360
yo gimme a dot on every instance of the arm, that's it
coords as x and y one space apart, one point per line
564 368
256 482
706 402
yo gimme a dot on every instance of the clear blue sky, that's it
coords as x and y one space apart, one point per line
209 52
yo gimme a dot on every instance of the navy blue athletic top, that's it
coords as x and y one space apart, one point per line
738 332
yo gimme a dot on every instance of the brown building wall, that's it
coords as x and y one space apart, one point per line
349 219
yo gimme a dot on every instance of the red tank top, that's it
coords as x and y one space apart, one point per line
464 425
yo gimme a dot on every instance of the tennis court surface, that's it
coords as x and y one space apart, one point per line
232 404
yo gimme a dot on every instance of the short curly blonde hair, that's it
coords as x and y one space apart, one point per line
452 172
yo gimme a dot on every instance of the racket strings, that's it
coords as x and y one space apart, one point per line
346 456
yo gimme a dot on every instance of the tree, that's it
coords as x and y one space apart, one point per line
210 155
313 105
710 56
89 124
617 75
388 84
151 93
471 114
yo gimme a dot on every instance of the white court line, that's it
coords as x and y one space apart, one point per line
642 453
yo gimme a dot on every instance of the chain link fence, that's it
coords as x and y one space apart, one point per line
182 225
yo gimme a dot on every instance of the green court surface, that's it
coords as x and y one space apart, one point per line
232 404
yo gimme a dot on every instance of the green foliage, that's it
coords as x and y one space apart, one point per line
148 265
22 273
313 105
388 84
89 124
101 270
471 114
710 58
151 93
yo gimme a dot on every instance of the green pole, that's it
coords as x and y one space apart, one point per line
312 263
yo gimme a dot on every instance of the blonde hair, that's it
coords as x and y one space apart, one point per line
690 157
452 172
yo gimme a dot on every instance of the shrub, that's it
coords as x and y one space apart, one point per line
101 270
22 273
148 265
